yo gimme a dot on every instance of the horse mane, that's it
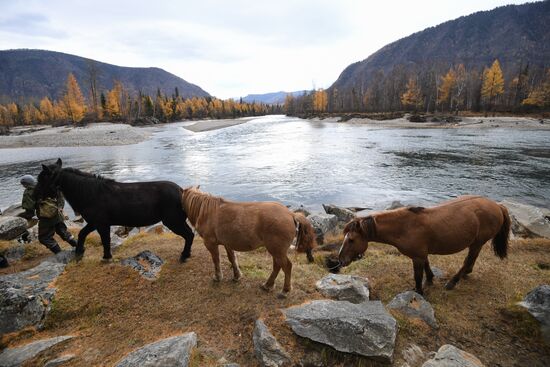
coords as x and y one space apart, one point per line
198 204
81 188
366 226
415 209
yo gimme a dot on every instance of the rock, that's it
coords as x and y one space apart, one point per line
343 287
413 355
366 329
343 214
537 302
15 253
438 273
322 224
59 361
266 348
396 204
450 356
527 220
231 365
122 231
11 227
63 257
298 209
13 357
25 297
356 209
174 351
413 305
13 210
146 263
116 241
156 229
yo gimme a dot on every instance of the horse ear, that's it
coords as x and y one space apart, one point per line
59 163
198 187
46 168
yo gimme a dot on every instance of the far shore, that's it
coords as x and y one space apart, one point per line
208 125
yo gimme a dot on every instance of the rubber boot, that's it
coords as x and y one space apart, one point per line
72 242
55 249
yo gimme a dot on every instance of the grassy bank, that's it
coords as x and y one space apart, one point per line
113 310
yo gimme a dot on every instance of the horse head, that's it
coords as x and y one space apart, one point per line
48 180
357 234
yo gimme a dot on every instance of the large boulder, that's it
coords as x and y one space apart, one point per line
537 302
366 329
14 357
450 356
25 297
343 287
11 227
59 361
342 214
170 352
412 305
322 224
13 210
146 263
266 348
528 220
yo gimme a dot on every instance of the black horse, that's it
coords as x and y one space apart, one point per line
104 202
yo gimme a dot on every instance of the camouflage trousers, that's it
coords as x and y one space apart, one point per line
46 232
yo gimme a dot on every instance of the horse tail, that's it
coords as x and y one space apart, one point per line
305 239
500 241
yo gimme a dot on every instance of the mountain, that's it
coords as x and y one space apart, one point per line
34 74
515 35
271 98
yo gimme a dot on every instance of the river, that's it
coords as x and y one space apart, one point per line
304 162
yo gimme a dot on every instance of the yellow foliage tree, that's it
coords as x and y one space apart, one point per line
540 96
413 96
446 88
112 104
320 100
73 100
493 84
47 110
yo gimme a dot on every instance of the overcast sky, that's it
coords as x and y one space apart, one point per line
229 48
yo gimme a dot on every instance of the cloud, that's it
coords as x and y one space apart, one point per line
31 24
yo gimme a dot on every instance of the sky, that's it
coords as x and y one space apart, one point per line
228 48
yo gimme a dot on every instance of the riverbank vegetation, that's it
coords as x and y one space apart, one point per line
118 105
434 89
102 303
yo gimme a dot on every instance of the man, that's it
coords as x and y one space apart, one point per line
51 220
27 203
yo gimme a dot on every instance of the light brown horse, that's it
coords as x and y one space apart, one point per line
245 226
450 227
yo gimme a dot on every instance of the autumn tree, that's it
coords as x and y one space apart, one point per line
412 98
46 107
540 96
493 85
73 100
112 101
320 100
446 89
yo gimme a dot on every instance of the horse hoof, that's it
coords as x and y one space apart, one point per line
107 260
236 279
266 288
183 258
216 279
282 295
449 286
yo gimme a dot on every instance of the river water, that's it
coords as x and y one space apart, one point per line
303 162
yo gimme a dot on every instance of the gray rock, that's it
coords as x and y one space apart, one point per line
537 302
343 214
266 348
15 253
170 352
59 361
63 257
366 329
116 241
25 297
413 355
413 305
231 365
13 210
343 287
527 220
323 223
156 229
13 357
11 227
146 263
438 273
450 356
396 204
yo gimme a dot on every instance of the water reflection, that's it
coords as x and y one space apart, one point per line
303 162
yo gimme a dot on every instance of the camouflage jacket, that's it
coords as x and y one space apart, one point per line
27 202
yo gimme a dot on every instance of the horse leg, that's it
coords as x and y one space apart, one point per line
84 232
467 267
181 228
286 265
418 266
234 264
215 253
105 234
268 286
428 271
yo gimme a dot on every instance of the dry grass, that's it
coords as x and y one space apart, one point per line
113 310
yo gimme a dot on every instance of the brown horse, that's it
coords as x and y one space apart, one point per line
246 226
450 227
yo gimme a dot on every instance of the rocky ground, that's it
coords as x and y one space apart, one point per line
145 303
